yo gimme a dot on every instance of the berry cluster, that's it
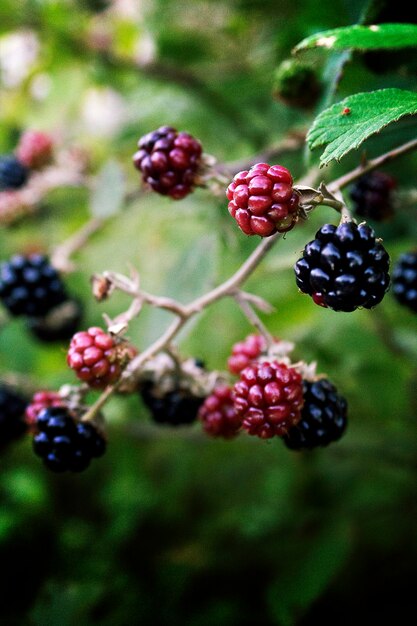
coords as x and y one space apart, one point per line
246 351
268 398
13 173
169 161
33 151
344 267
323 417
30 286
404 280
41 400
296 84
262 200
12 409
218 415
372 196
175 407
64 443
95 357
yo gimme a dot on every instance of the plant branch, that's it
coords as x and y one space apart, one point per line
61 255
348 178
184 313
253 318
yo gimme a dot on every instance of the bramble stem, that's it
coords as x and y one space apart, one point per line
61 256
253 318
229 288
348 178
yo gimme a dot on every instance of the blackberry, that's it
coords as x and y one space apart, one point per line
262 200
268 398
404 280
344 268
64 443
217 414
12 409
246 351
34 149
169 161
372 198
175 407
29 285
13 174
323 418
94 357
296 84
59 324
41 400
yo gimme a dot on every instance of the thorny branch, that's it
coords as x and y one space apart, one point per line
230 288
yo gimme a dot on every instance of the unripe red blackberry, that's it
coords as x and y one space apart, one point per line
372 196
29 285
344 268
41 400
13 173
34 149
169 161
268 398
175 407
12 409
323 418
262 200
59 324
246 351
404 280
96 358
65 443
218 415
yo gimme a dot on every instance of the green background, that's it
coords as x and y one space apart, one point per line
171 527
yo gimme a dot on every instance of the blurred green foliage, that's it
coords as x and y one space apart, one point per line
169 527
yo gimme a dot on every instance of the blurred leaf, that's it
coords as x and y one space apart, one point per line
309 573
346 125
107 197
358 37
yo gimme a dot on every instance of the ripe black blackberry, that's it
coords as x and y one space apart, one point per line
13 174
323 418
175 407
372 198
64 443
344 268
12 410
169 161
29 285
404 280
59 324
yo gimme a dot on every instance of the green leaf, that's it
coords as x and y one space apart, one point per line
109 191
358 37
345 126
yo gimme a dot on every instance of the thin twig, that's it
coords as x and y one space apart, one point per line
228 288
348 178
61 255
253 318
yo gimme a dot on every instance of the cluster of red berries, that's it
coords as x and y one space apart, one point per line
271 399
